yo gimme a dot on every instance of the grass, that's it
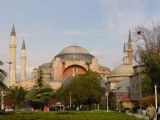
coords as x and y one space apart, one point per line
67 115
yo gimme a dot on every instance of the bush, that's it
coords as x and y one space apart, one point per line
146 101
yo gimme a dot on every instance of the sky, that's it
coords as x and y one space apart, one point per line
48 26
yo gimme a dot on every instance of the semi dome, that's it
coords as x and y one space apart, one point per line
123 70
75 52
46 65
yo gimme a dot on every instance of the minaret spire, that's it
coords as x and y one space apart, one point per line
23 61
129 50
124 48
129 36
13 33
23 44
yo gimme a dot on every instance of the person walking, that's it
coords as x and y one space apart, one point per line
151 112
158 112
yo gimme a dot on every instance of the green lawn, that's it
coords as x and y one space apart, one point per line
69 115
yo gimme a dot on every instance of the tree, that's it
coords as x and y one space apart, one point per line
148 52
3 75
40 81
147 100
17 95
112 101
40 94
37 97
85 89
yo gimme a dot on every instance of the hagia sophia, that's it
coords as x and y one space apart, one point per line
71 61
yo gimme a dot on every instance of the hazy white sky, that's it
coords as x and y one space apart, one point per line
100 26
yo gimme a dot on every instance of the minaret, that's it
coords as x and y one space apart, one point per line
23 61
125 56
12 58
129 50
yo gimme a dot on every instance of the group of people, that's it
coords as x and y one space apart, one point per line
153 113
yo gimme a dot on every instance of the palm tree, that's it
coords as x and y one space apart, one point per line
3 75
17 95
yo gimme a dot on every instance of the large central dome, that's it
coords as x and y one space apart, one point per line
75 52
74 49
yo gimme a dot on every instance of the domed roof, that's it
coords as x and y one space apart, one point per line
74 49
75 52
123 69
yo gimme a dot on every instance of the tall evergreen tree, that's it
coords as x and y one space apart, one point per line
40 94
40 81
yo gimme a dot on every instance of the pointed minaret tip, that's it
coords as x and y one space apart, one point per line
13 33
124 48
129 36
23 45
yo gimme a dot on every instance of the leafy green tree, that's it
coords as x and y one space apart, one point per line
85 89
146 86
148 52
17 95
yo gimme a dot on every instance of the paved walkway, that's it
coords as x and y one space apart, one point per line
138 115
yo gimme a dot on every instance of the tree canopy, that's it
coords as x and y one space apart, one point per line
17 95
148 52
3 75
40 94
84 89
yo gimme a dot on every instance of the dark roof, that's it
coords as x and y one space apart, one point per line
13 33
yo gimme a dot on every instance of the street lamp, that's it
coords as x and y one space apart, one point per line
139 77
2 100
70 99
155 87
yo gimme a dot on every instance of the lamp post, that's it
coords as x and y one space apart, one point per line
2 100
139 77
107 100
70 99
155 87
